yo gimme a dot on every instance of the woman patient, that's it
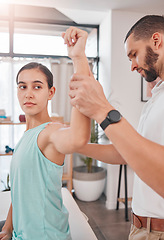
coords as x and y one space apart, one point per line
37 211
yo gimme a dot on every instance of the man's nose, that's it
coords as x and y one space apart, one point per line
134 65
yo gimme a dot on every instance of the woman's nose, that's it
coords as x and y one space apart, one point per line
29 93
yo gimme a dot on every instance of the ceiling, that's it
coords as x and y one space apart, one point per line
93 11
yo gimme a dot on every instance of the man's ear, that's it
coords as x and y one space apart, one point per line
51 92
157 40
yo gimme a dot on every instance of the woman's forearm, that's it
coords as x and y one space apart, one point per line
8 223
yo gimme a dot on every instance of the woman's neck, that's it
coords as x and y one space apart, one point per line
36 120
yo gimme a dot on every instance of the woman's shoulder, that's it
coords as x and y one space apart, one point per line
48 131
52 127
45 144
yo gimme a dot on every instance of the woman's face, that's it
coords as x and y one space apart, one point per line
33 92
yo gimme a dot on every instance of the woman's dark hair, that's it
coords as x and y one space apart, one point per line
146 26
42 68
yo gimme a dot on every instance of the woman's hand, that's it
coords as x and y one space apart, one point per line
5 234
75 39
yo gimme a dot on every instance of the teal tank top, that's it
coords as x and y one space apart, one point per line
38 210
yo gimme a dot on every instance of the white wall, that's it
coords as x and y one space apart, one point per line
123 85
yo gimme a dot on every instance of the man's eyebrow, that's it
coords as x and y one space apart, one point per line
130 53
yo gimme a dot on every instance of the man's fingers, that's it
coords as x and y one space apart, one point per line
77 76
80 77
76 81
77 106
73 102
72 93
74 85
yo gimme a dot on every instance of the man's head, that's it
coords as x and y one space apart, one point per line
144 43
144 28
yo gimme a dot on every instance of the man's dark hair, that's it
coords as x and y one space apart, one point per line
42 68
146 26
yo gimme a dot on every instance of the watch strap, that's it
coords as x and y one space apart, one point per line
113 116
105 123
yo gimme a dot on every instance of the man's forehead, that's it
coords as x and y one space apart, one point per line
129 44
132 44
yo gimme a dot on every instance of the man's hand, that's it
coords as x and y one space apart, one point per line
88 97
75 39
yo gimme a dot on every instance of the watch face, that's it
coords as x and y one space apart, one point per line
114 116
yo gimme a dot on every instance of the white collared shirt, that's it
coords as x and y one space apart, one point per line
146 202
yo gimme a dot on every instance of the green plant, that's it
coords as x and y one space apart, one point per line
7 187
95 135
94 139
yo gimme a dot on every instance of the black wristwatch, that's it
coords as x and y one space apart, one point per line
113 116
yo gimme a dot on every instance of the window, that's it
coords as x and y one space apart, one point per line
43 39
4 36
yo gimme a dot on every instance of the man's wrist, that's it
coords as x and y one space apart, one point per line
99 117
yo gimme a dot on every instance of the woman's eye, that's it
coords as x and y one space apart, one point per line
22 87
37 87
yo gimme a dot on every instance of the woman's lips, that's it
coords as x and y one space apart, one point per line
29 104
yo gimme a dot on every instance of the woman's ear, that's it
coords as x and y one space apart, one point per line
51 92
157 40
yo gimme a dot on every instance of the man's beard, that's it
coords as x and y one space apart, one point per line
150 75
150 59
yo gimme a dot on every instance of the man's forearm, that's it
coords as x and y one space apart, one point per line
105 153
144 157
